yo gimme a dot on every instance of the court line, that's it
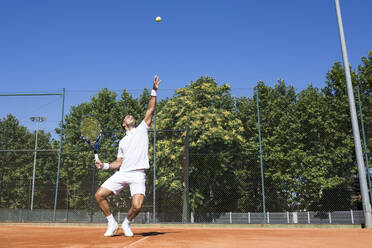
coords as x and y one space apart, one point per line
131 244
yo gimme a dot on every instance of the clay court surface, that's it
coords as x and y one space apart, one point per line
14 236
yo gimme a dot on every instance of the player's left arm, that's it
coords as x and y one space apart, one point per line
152 103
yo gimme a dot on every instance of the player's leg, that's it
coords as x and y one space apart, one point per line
113 185
100 196
137 190
137 201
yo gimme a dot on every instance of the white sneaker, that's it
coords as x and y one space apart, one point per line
111 229
126 228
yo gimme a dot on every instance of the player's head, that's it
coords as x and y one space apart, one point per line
128 122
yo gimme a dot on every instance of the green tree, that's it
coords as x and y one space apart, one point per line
215 137
18 167
275 107
365 83
248 173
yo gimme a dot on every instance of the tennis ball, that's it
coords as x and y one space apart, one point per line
158 19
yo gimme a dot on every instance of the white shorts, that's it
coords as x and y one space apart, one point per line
135 179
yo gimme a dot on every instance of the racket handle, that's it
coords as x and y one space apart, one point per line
96 157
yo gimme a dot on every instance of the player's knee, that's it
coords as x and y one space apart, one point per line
99 197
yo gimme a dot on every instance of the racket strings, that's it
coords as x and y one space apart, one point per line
90 129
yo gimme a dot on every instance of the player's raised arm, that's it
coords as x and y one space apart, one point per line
152 103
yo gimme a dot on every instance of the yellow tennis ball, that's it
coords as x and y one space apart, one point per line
158 19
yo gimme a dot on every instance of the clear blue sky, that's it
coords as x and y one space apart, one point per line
87 45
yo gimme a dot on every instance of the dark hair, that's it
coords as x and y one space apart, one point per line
135 120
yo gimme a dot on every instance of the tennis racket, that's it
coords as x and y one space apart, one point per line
91 132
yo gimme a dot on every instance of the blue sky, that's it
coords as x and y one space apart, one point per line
85 45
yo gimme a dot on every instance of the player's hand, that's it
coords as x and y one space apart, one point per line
156 83
98 164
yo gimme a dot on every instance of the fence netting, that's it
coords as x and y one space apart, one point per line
294 165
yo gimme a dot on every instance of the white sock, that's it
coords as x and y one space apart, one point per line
126 220
110 219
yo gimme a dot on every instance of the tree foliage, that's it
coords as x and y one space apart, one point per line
307 148
17 166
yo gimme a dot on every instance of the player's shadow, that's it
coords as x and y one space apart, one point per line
145 234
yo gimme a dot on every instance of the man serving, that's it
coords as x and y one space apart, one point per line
132 161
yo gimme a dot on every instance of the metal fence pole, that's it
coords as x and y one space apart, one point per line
34 168
94 169
37 120
59 155
355 127
308 217
154 181
186 206
261 163
4 160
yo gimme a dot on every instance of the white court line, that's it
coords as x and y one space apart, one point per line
130 245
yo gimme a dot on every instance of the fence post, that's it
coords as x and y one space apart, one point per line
330 217
308 217
249 217
268 217
93 192
230 218
352 216
287 217
261 162
295 217
186 162
4 161
65 216
59 156
154 176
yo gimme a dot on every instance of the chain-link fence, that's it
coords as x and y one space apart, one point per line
291 166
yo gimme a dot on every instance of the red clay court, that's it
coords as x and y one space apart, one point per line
72 236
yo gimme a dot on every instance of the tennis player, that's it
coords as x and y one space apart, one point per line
132 161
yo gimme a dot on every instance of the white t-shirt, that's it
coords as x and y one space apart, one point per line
133 148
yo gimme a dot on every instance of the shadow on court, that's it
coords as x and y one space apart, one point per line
145 234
